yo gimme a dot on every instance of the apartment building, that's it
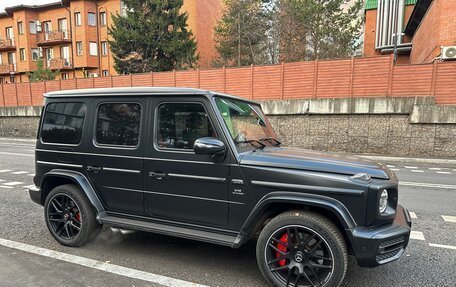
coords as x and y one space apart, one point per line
71 36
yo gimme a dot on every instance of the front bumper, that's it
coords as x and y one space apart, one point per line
35 195
374 246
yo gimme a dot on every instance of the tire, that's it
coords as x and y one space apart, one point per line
297 247
72 222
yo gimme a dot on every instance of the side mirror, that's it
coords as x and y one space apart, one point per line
209 146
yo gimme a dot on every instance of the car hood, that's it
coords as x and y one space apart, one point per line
314 161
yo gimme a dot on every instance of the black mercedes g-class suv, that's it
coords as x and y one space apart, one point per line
208 166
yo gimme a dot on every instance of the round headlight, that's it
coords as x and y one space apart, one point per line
383 202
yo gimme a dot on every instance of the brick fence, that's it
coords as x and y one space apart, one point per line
346 78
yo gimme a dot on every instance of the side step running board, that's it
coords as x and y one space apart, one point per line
216 238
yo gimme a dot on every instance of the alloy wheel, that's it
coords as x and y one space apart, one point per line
64 216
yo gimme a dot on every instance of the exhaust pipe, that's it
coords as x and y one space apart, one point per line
121 230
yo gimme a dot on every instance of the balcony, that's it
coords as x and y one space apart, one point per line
7 69
50 38
60 64
7 45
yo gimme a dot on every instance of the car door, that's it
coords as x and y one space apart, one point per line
114 164
180 185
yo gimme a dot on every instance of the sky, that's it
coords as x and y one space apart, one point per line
6 3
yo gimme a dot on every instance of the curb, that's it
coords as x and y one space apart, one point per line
409 159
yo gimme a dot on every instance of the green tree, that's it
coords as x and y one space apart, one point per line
318 29
152 36
41 73
241 33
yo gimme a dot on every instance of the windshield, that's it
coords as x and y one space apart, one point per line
247 124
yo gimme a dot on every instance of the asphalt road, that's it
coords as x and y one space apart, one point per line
428 261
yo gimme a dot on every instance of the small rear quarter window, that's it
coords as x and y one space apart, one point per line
63 123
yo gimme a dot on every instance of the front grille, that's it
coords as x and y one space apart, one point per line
390 248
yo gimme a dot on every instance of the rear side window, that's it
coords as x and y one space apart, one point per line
118 124
63 122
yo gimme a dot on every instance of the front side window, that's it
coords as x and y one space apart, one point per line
181 124
63 123
118 124
246 123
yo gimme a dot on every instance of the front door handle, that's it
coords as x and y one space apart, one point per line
158 175
94 168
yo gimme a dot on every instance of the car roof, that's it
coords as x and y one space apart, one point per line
138 91
146 91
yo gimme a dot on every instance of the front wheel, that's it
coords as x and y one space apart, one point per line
300 248
70 217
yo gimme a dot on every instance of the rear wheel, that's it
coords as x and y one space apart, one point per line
299 248
70 216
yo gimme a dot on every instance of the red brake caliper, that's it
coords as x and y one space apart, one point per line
283 248
78 216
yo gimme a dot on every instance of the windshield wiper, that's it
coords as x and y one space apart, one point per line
254 143
271 140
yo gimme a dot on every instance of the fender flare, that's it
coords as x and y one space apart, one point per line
332 205
80 180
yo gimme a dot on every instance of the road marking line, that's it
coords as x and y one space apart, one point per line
413 215
13 183
417 235
443 172
388 165
6 170
442 246
29 186
19 154
411 167
431 185
2 180
448 218
2 186
417 170
395 169
19 172
99 265
435 168
31 174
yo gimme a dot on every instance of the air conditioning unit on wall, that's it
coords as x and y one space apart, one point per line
449 53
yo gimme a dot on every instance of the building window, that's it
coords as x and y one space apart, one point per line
93 49
79 48
22 54
64 76
92 20
103 21
20 28
1 59
105 73
63 123
104 48
77 19
11 58
118 124
32 26
9 33
35 54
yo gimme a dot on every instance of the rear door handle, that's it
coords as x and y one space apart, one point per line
94 168
158 175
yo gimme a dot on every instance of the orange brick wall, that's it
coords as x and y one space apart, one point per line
355 77
438 28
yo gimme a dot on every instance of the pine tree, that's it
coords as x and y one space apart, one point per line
41 73
152 36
